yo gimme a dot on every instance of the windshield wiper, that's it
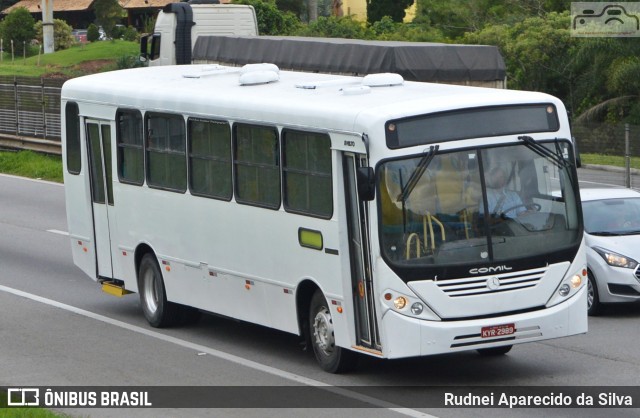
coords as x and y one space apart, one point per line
554 157
417 173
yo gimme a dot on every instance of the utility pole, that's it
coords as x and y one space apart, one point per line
47 26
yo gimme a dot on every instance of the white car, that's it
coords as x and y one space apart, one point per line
612 235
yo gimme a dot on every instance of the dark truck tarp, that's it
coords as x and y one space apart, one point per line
418 61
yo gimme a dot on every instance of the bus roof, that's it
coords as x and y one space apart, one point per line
303 99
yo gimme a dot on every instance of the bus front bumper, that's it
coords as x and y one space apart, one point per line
410 337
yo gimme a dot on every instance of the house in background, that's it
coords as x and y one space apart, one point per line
358 9
77 13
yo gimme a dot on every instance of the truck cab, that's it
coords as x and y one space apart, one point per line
179 25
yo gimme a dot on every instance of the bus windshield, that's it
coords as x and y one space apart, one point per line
479 207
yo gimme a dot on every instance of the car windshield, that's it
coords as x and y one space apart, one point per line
478 206
612 216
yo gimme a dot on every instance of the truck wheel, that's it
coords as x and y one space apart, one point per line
331 358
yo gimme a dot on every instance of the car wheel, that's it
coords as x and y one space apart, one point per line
495 351
594 307
331 358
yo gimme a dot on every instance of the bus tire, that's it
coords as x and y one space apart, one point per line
331 358
495 351
157 310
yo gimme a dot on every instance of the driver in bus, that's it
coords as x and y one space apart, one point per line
502 201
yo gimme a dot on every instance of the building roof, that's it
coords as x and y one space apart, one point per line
145 4
58 5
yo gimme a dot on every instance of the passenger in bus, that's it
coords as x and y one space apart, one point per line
502 201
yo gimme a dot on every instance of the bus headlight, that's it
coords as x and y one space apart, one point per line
404 304
400 302
569 287
417 308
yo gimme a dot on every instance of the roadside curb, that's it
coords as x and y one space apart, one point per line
610 168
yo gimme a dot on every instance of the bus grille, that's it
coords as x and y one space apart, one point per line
504 282
476 341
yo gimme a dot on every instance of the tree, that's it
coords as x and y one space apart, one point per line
537 52
93 33
18 26
607 85
377 9
108 14
272 21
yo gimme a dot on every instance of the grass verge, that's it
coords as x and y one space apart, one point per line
31 164
75 61
614 160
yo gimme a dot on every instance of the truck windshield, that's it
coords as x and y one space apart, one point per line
480 207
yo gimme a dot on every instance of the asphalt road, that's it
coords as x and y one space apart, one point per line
58 329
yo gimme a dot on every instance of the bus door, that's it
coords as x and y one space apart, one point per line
98 134
359 254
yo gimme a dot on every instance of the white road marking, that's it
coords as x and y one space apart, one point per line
222 355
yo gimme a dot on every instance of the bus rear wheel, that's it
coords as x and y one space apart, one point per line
330 357
153 297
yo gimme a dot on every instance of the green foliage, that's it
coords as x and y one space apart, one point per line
272 21
18 26
387 30
537 52
31 164
129 34
377 9
93 33
129 61
71 62
108 14
62 37
338 27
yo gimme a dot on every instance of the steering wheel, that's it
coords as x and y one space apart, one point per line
529 207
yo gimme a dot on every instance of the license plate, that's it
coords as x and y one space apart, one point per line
498 330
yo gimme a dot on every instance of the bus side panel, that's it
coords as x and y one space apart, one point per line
78 206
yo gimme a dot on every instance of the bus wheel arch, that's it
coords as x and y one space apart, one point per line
331 357
304 292
158 311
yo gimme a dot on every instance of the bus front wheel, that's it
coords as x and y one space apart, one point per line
331 358
157 310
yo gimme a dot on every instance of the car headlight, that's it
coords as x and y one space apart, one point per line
615 259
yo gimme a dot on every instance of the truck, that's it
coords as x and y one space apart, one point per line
179 25
202 31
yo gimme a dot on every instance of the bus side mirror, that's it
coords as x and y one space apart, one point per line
366 183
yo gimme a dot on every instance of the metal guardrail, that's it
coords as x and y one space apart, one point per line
34 144
30 113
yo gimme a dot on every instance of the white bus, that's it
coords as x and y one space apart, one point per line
365 214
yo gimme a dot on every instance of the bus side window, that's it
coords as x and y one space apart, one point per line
166 152
130 146
72 138
307 173
209 145
257 165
